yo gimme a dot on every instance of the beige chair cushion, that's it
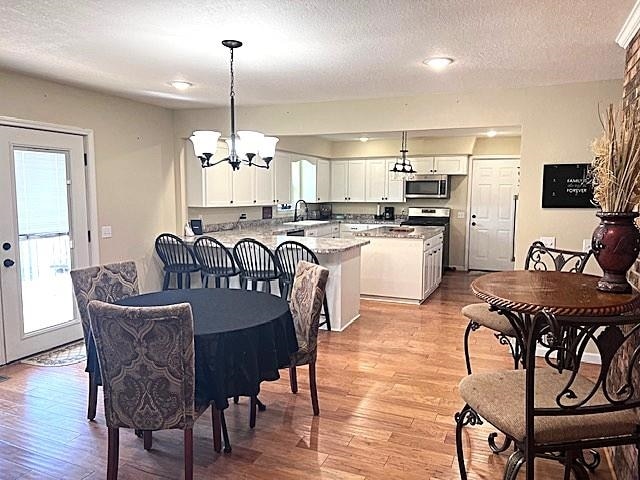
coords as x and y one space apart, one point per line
480 313
499 397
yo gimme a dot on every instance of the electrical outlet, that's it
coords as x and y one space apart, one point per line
243 216
549 242
106 231
461 214
586 244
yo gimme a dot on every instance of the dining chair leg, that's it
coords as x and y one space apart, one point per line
327 318
93 397
293 379
112 453
147 439
165 282
225 433
188 454
570 457
314 389
253 406
215 424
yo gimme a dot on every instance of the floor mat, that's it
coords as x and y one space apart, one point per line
59 357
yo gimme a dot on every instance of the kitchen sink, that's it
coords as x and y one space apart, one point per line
306 223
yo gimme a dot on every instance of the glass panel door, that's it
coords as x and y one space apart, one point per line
43 193
42 204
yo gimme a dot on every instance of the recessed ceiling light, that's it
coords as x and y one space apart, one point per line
364 139
181 84
438 63
491 133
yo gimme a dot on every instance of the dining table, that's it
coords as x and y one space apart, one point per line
520 294
241 337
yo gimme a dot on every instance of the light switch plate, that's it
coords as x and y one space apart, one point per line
549 242
586 244
461 214
106 231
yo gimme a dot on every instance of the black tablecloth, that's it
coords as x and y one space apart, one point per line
242 338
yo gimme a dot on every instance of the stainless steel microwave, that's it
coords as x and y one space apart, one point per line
428 186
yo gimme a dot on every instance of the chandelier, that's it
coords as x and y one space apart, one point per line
243 146
402 169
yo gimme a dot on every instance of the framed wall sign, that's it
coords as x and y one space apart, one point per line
567 185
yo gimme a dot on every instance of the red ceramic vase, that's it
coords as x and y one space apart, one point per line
615 244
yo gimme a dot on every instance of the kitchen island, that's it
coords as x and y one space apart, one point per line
342 256
402 264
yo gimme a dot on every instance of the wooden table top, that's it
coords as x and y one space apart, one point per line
561 293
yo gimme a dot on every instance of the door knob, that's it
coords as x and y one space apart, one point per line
9 263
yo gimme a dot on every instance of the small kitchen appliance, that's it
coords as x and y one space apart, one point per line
389 213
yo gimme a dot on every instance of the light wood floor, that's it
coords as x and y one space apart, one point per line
388 393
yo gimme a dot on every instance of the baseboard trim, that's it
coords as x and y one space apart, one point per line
592 358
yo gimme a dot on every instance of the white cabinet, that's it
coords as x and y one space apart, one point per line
348 182
449 165
243 186
326 231
432 265
380 184
282 178
264 185
323 180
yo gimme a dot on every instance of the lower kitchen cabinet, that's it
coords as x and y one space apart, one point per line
405 270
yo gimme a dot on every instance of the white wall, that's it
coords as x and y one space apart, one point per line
558 123
134 151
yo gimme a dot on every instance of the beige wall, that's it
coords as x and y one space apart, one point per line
134 152
557 122
497 146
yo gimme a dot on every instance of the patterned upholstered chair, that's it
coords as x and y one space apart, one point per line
553 409
108 283
539 257
146 357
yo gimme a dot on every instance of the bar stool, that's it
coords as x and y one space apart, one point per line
256 263
215 261
177 258
288 254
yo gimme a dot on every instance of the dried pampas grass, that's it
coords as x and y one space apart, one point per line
616 167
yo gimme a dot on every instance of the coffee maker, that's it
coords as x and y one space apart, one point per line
389 213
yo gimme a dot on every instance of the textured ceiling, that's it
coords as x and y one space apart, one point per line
310 50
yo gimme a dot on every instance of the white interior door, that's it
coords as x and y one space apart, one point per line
494 188
44 236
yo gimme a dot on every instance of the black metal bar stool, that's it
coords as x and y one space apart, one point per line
256 263
177 258
215 261
288 254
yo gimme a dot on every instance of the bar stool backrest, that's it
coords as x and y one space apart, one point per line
255 260
174 253
541 257
214 258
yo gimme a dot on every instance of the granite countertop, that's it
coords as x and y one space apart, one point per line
319 245
423 233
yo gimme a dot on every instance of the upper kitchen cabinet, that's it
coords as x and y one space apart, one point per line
348 182
281 178
450 165
380 184
208 187
323 180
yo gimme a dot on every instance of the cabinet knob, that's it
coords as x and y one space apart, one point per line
473 216
231 201
473 224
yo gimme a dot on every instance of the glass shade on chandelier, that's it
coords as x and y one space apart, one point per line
402 168
244 146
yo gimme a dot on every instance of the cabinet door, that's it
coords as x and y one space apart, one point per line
323 180
308 175
263 178
376 181
451 165
356 181
243 185
423 165
395 188
339 179
426 273
282 178
218 181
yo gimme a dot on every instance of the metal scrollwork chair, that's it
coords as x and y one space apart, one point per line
177 258
256 263
108 283
288 255
554 410
147 360
215 261
539 257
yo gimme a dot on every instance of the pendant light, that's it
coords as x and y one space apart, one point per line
243 146
402 169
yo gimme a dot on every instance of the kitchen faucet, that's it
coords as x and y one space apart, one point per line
295 210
